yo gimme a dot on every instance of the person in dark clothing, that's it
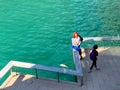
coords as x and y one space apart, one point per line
93 57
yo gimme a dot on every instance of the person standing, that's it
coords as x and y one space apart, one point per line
76 42
93 57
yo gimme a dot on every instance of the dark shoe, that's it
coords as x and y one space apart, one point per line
81 57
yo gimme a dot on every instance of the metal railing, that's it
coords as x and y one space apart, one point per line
101 38
38 67
78 72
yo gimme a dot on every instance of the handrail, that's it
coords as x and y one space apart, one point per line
37 67
101 38
47 68
5 69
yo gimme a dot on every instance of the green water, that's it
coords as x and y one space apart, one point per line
40 31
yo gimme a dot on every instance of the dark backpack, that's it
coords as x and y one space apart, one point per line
92 55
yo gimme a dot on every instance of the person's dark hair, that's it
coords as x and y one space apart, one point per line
95 46
81 38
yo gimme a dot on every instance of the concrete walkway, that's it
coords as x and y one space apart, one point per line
107 78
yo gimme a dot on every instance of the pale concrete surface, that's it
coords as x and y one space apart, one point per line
107 78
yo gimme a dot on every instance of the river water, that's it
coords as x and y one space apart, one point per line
40 31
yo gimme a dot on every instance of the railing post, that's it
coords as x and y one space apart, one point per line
81 80
15 71
11 71
36 73
58 77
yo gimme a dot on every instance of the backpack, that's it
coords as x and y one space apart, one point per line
92 55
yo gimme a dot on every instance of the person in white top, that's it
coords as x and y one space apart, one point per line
76 42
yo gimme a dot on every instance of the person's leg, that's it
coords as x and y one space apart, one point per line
91 67
96 65
80 53
93 64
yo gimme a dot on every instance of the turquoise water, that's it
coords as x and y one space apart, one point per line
40 31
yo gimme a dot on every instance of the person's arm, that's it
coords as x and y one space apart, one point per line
96 53
79 41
